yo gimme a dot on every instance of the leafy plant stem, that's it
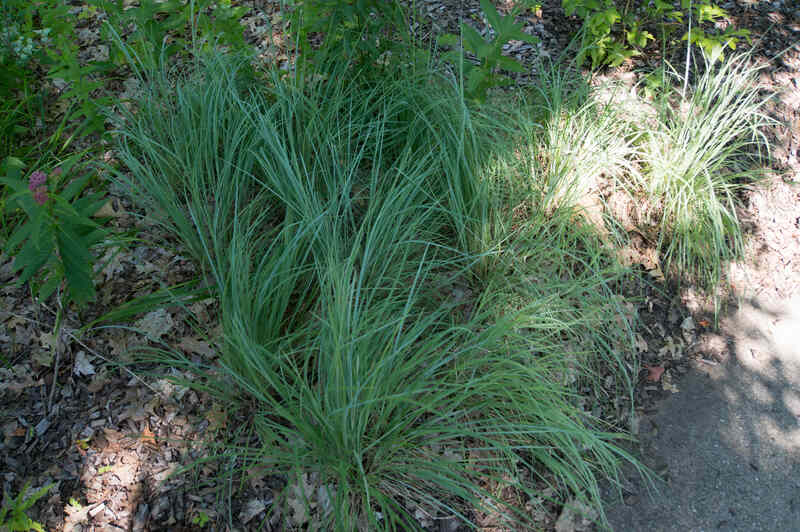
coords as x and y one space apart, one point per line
56 334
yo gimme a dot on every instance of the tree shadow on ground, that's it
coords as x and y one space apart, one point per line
728 443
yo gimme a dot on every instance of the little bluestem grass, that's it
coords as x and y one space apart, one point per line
321 215
706 148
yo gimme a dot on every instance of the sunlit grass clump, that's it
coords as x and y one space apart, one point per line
708 145
683 158
333 221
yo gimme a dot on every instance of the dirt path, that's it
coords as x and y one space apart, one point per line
729 441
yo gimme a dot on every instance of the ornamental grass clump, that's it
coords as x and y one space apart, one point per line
708 145
325 216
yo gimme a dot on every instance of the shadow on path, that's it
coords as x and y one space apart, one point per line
729 441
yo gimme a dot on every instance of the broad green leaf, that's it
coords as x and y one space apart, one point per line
39 229
13 165
476 83
77 267
709 13
95 237
16 185
50 285
494 18
509 63
455 58
474 42
20 233
88 205
31 258
522 36
75 187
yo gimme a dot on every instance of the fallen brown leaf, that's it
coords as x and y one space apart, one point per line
666 383
148 437
641 344
110 209
98 381
654 373
193 345
82 366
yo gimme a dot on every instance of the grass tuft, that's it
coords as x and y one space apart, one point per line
325 217
706 148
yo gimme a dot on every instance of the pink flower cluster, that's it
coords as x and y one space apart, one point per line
37 178
37 183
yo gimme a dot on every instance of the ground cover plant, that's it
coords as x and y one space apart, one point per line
613 31
51 227
478 79
12 513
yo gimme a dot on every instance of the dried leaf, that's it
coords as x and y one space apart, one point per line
43 358
16 322
654 373
49 340
82 366
575 517
299 499
110 209
673 348
112 263
251 509
75 515
148 437
193 345
126 473
641 344
257 477
657 274
17 378
217 417
667 384
98 382
155 324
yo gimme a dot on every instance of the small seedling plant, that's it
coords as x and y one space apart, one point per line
480 77
614 32
13 515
